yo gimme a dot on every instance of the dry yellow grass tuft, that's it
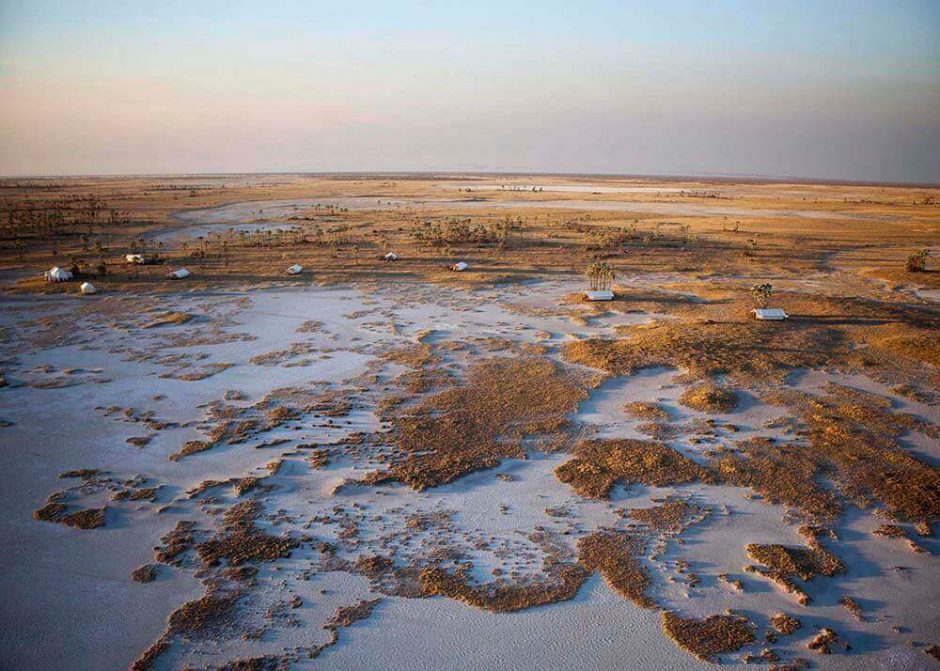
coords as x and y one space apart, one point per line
709 397
169 318
823 641
744 350
89 518
784 623
241 541
706 638
470 428
598 464
561 583
919 344
782 563
853 437
647 412
782 473
673 516
616 555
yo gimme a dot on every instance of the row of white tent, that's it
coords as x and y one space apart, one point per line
57 274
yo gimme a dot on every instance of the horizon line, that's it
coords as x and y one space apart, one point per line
720 177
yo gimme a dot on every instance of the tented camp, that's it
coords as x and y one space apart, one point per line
179 274
600 295
459 267
391 256
57 274
134 258
295 269
770 314
88 288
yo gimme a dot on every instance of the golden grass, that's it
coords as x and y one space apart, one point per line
599 464
707 638
616 555
744 350
823 641
854 438
191 447
782 563
560 583
920 344
784 623
853 607
470 428
673 516
895 531
241 541
169 318
648 412
709 398
204 615
346 616
89 518
176 542
782 472
145 573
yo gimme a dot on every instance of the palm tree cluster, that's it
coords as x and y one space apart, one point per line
453 231
48 218
601 275
917 262
761 293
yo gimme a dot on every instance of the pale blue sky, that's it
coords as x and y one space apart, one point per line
832 89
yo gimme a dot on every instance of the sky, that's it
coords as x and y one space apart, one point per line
837 89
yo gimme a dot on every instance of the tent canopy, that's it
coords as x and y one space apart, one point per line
57 274
770 314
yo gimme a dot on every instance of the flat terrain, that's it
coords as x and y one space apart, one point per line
387 464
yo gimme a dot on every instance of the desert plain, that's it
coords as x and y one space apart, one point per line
383 463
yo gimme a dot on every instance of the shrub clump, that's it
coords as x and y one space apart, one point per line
709 397
89 518
709 637
242 541
647 412
598 464
145 573
785 624
615 554
781 563
471 428
561 584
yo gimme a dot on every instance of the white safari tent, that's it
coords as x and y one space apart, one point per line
57 274
391 256
770 314
179 274
459 267
134 258
88 288
600 295
295 269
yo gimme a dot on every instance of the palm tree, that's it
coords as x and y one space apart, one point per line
601 276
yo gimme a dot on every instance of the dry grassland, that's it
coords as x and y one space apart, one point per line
473 427
599 464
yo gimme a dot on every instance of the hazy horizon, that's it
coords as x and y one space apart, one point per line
847 91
